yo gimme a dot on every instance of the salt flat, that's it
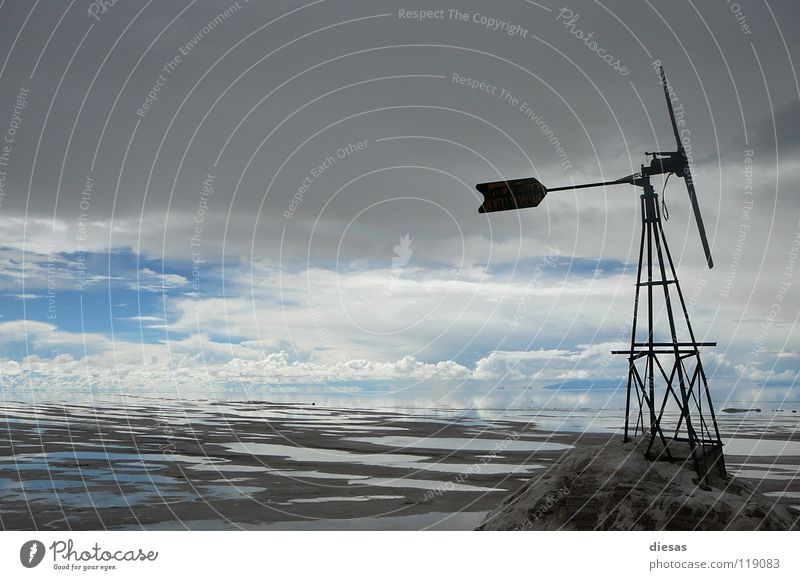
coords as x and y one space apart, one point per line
132 462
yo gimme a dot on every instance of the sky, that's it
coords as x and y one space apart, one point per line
276 200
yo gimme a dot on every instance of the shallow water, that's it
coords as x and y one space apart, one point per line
762 447
228 465
313 455
462 444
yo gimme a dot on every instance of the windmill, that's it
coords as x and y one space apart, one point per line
666 381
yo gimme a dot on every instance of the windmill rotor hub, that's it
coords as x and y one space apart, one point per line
665 163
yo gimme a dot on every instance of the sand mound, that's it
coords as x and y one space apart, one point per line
613 487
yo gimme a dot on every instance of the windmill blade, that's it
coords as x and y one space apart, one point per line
671 111
687 176
684 171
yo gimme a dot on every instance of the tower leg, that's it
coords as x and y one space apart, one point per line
631 375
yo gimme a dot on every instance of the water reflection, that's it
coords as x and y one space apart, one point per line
149 453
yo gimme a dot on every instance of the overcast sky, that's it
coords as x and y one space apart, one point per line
278 197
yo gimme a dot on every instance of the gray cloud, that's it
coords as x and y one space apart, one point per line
273 99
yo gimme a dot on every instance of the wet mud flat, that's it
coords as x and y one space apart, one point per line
164 464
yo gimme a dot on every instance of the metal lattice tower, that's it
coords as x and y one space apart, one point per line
678 416
666 380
